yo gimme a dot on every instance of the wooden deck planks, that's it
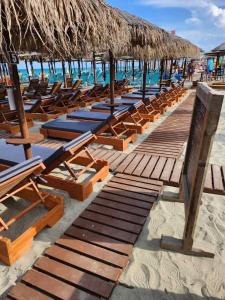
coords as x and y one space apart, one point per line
169 137
88 259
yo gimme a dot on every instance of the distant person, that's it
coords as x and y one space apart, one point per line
190 71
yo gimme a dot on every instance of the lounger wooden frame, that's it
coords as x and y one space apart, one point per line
10 251
10 122
78 155
115 134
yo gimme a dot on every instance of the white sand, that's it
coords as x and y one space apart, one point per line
152 273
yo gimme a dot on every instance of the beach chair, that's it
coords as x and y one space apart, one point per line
42 109
133 120
67 157
96 94
9 121
32 86
111 131
69 102
73 88
146 111
55 89
20 181
38 92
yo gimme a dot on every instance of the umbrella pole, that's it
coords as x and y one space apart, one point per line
184 67
79 71
144 80
161 73
42 69
94 69
14 76
64 74
171 68
32 68
27 69
133 75
112 78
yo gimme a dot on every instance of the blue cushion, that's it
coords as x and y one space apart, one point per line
89 115
74 126
20 168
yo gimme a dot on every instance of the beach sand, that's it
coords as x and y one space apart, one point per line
153 273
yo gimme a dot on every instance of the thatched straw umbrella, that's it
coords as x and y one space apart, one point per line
62 27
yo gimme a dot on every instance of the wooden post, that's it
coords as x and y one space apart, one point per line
64 73
133 71
112 78
216 66
171 68
154 65
94 68
14 76
79 70
205 118
27 69
184 68
32 67
144 80
70 69
161 72
42 69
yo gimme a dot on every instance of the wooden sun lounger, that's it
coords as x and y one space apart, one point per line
9 121
19 181
146 111
74 87
134 120
69 102
108 132
42 109
39 91
66 156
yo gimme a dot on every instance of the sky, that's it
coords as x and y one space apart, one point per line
200 21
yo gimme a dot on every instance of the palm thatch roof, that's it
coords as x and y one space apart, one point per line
149 41
219 50
63 27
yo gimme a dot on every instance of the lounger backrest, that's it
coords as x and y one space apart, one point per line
117 114
33 85
56 87
78 141
7 177
76 84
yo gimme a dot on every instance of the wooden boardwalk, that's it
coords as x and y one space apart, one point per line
166 169
88 259
169 137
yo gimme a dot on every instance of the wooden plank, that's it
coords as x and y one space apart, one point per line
23 292
117 161
118 206
150 167
141 166
140 179
132 188
208 178
116 213
130 168
150 198
175 177
100 240
111 221
55 287
93 251
167 171
74 276
123 200
84 263
121 235
159 168
125 163
136 183
217 178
